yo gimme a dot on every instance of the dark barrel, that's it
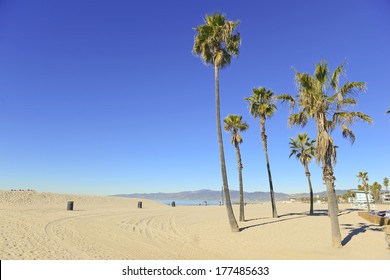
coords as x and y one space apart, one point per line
139 204
173 204
70 205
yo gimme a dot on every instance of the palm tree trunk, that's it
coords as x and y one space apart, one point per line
239 164
232 219
366 193
327 176
332 203
311 189
271 189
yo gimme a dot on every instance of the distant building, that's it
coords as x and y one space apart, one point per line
359 201
385 198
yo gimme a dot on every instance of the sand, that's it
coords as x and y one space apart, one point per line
37 225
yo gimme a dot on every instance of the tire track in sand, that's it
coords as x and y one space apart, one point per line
162 232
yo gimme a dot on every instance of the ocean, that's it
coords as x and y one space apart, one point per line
190 202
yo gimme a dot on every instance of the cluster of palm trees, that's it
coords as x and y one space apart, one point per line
320 97
374 188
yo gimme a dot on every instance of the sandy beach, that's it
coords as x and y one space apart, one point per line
37 225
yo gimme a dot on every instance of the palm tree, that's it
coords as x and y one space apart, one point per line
364 178
386 183
234 124
320 97
216 42
375 189
261 104
303 149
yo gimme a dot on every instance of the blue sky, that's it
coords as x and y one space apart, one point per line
108 98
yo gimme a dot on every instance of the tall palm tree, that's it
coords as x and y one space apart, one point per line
303 149
234 125
320 97
261 104
364 178
216 42
386 183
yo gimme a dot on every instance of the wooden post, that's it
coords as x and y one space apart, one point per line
386 229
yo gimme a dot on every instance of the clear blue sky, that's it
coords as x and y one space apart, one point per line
106 97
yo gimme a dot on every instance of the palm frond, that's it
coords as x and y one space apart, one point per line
321 72
286 98
347 101
352 87
336 75
304 81
298 119
293 152
348 133
350 117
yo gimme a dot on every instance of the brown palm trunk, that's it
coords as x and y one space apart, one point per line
232 219
271 188
327 176
239 164
366 193
332 204
311 189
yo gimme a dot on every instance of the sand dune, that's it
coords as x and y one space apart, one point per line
38 226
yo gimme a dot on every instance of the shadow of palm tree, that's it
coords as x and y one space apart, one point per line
347 211
255 219
271 222
358 230
307 213
298 215
351 210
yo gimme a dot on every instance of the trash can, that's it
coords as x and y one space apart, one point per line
139 204
70 206
173 204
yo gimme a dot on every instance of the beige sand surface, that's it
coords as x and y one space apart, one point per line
37 226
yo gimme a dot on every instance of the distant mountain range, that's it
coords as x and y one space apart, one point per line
216 195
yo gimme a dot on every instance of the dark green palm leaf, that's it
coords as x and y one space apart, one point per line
348 133
335 77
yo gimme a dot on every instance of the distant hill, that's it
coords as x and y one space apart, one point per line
321 194
216 195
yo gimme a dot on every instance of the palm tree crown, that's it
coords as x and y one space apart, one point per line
217 41
261 103
386 183
234 124
328 110
303 148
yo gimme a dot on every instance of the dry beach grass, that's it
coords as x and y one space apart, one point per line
37 226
